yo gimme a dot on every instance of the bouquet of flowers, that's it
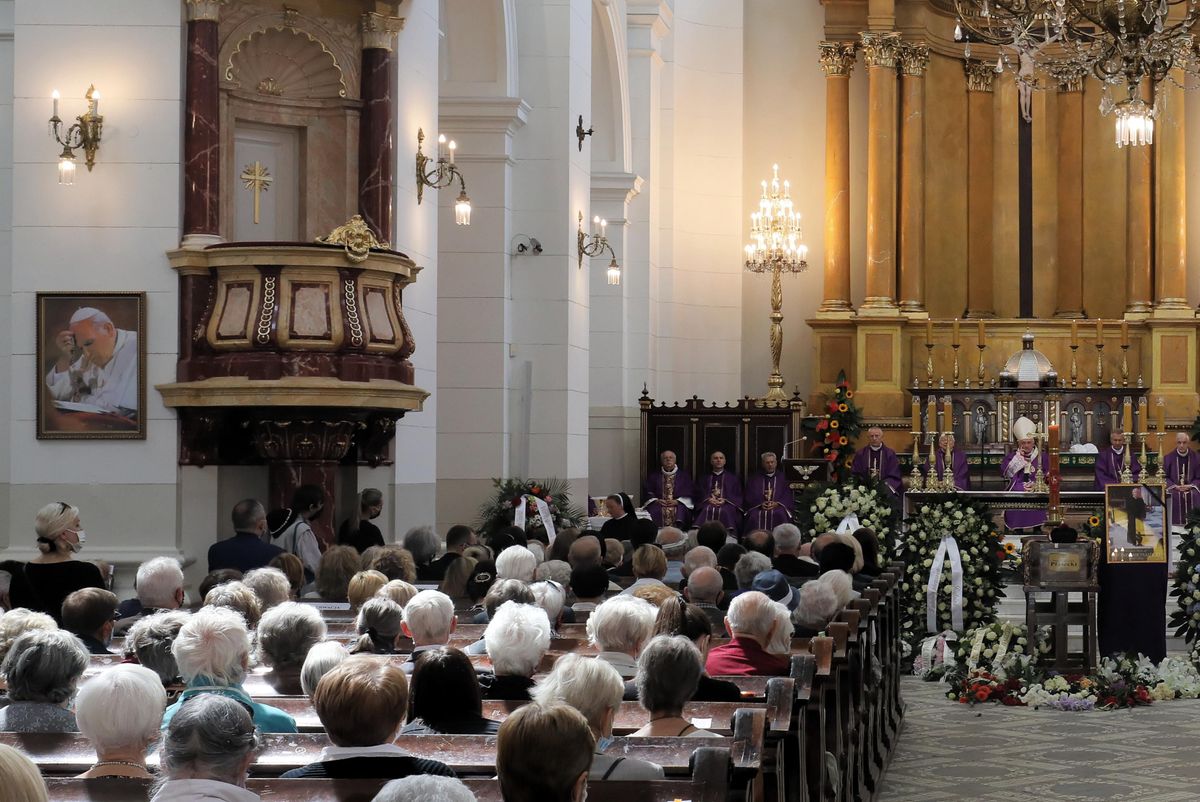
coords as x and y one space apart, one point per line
500 510
1185 587
836 432
821 507
980 553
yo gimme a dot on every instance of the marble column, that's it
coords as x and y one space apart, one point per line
981 196
914 60
837 59
879 51
1170 149
202 127
1069 301
1138 254
376 132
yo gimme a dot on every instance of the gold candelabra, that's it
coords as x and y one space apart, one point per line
1124 364
929 363
1160 474
1074 366
916 484
980 374
955 347
1099 362
1127 469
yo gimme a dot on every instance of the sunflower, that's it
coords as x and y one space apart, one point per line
1094 520
843 408
1010 548
842 441
849 393
833 424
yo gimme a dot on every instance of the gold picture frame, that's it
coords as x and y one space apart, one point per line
1143 505
91 373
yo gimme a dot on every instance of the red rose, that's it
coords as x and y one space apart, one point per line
831 456
981 694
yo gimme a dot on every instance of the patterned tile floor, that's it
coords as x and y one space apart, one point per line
950 752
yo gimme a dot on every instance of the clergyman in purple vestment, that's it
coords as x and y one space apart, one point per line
1182 467
1110 461
877 461
721 494
768 498
958 463
668 493
1019 469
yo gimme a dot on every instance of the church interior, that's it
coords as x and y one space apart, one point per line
445 269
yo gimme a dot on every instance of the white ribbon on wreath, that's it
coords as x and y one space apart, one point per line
543 510
948 548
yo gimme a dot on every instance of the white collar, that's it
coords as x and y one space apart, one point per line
876 448
343 752
1183 453
1116 450
671 472
718 473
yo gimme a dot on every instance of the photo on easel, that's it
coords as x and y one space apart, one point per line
1135 524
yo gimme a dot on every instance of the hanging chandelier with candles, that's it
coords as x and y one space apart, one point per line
775 231
1121 42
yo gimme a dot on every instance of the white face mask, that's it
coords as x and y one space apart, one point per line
77 547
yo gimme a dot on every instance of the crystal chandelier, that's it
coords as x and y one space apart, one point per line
1121 42
777 247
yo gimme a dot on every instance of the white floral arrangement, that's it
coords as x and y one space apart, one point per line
1185 589
866 502
980 553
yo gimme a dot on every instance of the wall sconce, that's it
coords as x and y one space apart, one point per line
442 175
581 132
85 134
595 244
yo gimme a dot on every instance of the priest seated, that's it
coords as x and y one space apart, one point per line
1110 461
959 470
722 496
1020 471
768 497
668 492
1182 466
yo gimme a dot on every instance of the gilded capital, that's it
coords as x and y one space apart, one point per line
379 31
980 76
914 58
837 58
208 10
880 49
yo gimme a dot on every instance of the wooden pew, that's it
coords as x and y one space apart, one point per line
708 782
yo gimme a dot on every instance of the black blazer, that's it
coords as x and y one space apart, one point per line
372 767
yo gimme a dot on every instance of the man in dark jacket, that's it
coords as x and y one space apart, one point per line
246 550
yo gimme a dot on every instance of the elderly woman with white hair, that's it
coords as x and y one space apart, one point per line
16 622
423 543
595 689
270 585
620 628
120 711
516 563
149 642
54 574
552 598
748 566
425 788
818 605
159 583
322 658
206 752
285 634
669 670
213 653
42 670
516 639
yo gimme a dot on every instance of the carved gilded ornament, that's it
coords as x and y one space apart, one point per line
379 31
880 49
980 76
284 61
1067 79
209 10
356 237
837 58
914 58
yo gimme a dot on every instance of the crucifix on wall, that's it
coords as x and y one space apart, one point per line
257 179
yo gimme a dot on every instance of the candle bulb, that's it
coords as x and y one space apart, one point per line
54 97
931 415
1074 333
954 339
595 225
929 332
948 415
982 334
453 146
441 146
603 227
1124 333
1159 412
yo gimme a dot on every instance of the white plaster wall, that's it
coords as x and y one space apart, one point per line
414 500
700 280
6 198
110 231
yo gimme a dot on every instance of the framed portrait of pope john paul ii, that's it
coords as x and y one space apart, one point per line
91 365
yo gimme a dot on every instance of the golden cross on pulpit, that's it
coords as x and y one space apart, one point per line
257 180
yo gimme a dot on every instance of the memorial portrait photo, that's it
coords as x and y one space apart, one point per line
1135 523
91 365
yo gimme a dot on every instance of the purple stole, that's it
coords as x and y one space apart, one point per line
1183 470
724 486
1023 519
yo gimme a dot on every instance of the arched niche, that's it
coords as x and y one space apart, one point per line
478 50
289 107
611 140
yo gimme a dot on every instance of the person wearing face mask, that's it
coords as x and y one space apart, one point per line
246 550
357 530
308 503
54 574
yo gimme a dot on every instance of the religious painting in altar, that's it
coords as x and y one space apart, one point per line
1135 523
91 365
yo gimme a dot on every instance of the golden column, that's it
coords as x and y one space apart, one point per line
914 60
980 186
1070 197
1137 223
879 51
1171 234
837 59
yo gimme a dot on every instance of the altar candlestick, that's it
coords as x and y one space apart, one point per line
1159 413
931 416
1141 417
982 335
1074 333
1099 331
954 337
1125 333
929 332
916 415
948 411
1127 415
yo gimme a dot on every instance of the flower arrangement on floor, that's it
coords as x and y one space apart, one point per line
838 429
1185 588
821 507
980 553
510 495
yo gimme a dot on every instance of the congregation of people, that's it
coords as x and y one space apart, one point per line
655 602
